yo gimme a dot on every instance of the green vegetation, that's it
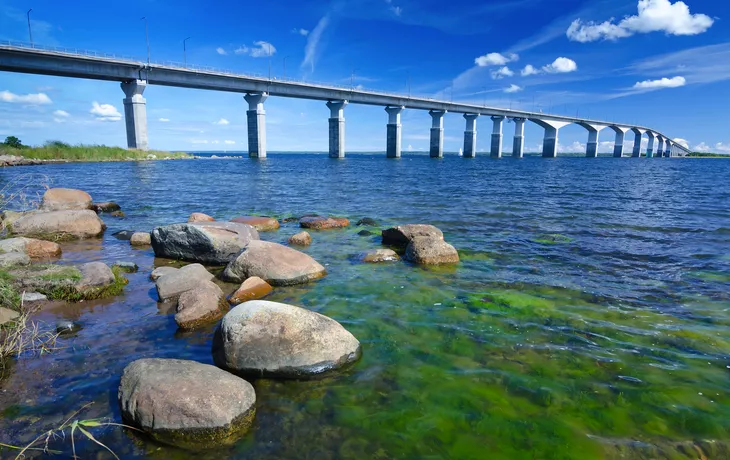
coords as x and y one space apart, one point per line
708 155
13 142
70 293
56 150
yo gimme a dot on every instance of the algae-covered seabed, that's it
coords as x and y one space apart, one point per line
588 318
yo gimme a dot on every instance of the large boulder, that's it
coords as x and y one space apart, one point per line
66 282
7 315
214 243
59 224
270 339
253 288
159 272
323 223
403 234
12 259
170 286
186 403
260 223
301 239
431 251
62 199
203 304
94 275
33 248
199 217
276 264
140 239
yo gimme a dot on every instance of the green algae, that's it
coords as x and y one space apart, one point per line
552 239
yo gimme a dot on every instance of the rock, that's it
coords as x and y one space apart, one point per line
62 199
301 239
200 217
118 214
380 255
403 234
140 239
214 243
270 339
76 224
32 297
66 327
95 275
128 267
12 259
35 249
253 288
159 272
431 251
186 403
172 285
123 235
203 304
365 233
46 278
260 223
7 315
323 223
276 264
106 206
368 222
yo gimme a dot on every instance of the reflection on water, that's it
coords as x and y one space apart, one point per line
587 319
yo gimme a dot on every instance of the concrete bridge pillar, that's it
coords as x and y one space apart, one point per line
550 141
669 149
518 145
135 114
618 144
470 135
650 147
256 116
638 134
659 146
437 133
337 128
394 132
592 144
496 151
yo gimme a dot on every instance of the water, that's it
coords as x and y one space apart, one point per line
587 319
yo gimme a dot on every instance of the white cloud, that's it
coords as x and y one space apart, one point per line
105 112
575 147
654 16
310 50
513 89
198 141
501 73
222 121
722 148
302 32
221 51
495 59
529 70
675 82
229 142
164 120
260 49
561 65
683 142
30 99
396 10
61 114
702 147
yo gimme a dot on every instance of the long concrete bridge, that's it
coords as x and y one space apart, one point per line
134 77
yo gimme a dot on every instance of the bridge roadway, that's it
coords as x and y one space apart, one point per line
134 76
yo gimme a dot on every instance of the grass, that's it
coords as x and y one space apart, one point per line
707 155
55 150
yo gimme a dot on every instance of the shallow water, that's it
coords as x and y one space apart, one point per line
589 312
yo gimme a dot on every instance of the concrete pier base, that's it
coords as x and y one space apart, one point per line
518 145
618 144
650 147
393 140
592 144
638 134
659 146
256 116
436 149
496 151
470 135
135 114
337 128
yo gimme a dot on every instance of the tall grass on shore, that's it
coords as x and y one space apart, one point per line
56 150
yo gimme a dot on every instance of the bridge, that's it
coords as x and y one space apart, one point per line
134 76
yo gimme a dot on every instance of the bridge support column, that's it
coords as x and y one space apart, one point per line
592 144
394 132
337 128
618 144
638 134
470 135
669 149
496 151
660 146
650 147
256 116
437 133
518 145
135 114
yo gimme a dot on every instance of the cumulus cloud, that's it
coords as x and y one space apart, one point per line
164 120
222 121
722 148
702 147
259 49
495 59
513 89
30 99
302 32
229 142
561 65
59 116
221 51
105 112
198 141
501 73
529 70
675 82
654 16
683 142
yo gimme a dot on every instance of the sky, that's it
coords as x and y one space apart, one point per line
658 63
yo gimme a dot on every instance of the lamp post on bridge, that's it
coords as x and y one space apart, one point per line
30 32
147 35
185 53
285 66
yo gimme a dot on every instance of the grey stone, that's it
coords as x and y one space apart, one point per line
124 235
403 234
368 222
375 256
159 272
140 239
276 264
129 267
7 315
203 304
76 224
95 275
13 259
32 297
67 327
186 403
214 243
261 338
170 286
431 251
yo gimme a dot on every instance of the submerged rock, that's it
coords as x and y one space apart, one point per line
375 256
431 251
365 233
140 239
13 259
368 222
159 272
170 286
403 234
278 265
186 403
301 239
214 243
203 304
59 224
253 288
128 267
106 206
7 315
35 249
199 217
270 339
323 223
62 199
67 327
260 223
123 235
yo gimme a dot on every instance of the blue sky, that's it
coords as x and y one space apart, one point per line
658 63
